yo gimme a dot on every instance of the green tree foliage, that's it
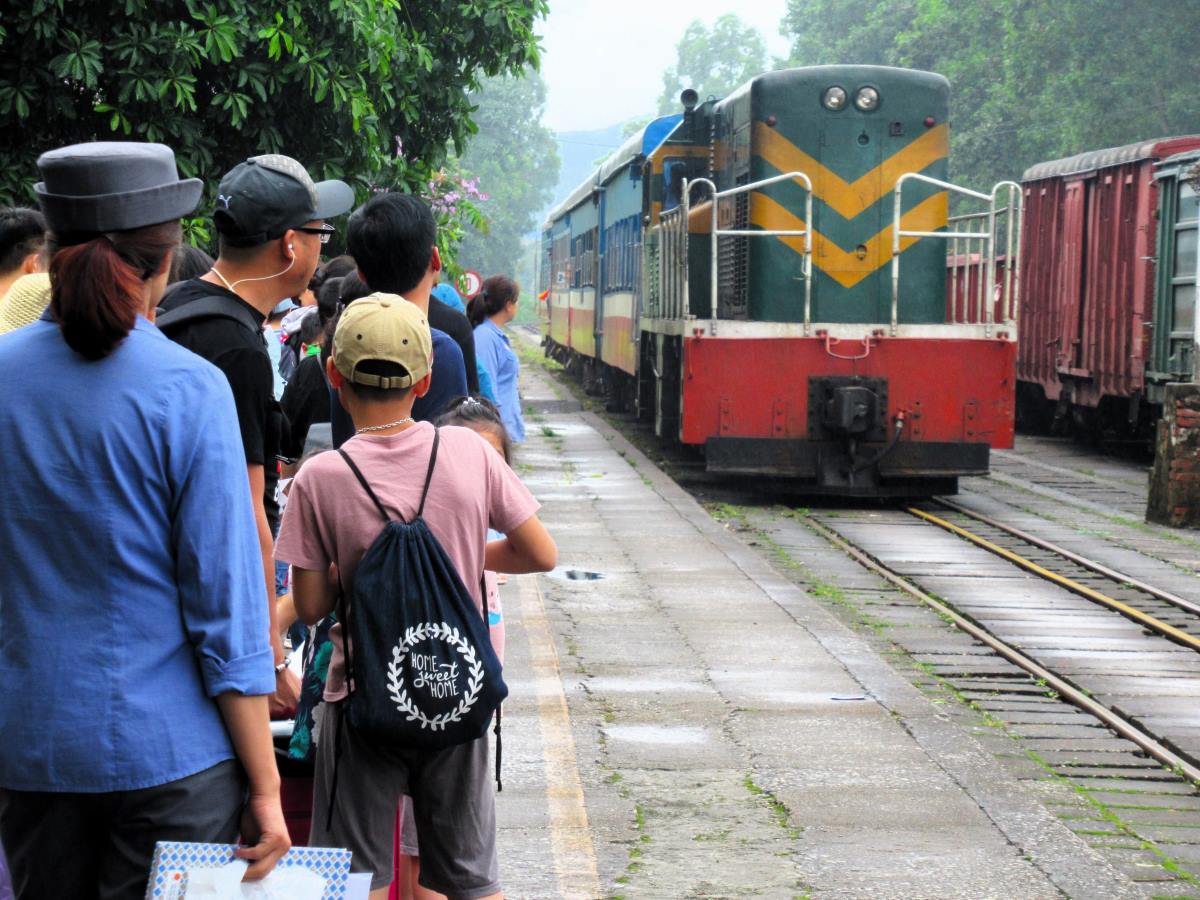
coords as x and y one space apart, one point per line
514 162
713 61
372 91
1031 80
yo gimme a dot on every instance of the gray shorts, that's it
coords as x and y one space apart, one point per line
453 805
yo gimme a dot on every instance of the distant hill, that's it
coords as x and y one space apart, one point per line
579 152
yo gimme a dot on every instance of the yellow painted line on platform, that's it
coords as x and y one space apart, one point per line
1124 609
570 834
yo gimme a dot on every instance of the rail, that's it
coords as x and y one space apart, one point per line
979 232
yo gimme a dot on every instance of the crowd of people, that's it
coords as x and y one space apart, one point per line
174 531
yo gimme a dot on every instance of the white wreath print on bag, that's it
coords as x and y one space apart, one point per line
399 691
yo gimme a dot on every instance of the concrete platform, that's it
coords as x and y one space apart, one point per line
691 724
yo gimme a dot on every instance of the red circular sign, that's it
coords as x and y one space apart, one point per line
470 283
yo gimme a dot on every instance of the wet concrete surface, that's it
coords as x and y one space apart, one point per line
695 725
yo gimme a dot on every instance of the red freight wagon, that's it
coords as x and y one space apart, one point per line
1087 282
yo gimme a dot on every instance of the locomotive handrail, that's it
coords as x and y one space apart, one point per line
987 239
672 262
715 233
1012 252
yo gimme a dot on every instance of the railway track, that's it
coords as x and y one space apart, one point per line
1160 611
1056 470
1063 688
1143 604
1055 618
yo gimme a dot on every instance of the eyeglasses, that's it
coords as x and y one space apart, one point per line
325 232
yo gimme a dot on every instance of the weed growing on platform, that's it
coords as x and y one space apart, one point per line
815 585
779 811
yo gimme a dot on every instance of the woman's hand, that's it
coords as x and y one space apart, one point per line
265 831
282 703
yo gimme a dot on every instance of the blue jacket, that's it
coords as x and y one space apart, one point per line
495 354
132 592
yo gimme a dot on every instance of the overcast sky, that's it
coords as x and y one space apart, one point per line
603 61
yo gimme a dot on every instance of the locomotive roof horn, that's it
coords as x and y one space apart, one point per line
689 98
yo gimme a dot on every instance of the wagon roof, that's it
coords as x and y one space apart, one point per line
1180 158
645 141
1113 156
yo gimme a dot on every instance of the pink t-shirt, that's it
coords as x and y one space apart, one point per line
330 518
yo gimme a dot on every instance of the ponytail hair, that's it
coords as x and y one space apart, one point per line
96 283
497 292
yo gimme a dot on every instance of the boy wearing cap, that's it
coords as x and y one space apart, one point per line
379 366
270 218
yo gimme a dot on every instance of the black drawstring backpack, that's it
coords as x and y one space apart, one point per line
421 672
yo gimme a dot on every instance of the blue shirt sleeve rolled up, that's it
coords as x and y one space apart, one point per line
222 594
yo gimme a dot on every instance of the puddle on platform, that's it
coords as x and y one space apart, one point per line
656 734
574 574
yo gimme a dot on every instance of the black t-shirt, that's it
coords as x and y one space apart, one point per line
446 318
242 356
305 402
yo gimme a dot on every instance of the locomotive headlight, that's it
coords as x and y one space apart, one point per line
834 98
866 99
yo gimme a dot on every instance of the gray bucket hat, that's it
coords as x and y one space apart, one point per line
112 186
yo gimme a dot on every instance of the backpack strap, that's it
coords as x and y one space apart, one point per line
363 481
496 731
370 493
499 750
437 434
214 306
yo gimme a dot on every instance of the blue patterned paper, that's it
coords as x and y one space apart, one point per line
173 859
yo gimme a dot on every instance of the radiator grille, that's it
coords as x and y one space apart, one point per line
733 262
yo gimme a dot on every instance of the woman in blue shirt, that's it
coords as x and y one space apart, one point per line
489 311
134 651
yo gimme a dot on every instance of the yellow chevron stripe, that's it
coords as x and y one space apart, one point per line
845 267
851 199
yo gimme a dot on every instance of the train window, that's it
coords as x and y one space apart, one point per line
1189 204
674 171
1185 253
1185 308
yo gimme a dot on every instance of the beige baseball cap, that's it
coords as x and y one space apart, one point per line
386 327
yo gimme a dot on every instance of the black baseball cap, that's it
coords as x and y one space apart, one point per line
261 198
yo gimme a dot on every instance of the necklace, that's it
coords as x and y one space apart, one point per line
386 426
